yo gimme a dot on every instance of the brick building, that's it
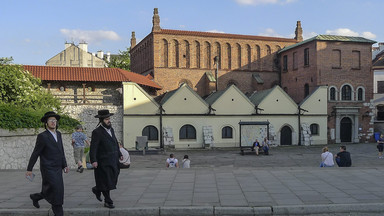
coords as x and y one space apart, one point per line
173 57
344 65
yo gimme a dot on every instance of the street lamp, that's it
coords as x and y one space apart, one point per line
216 62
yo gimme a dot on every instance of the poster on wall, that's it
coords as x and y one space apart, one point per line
250 131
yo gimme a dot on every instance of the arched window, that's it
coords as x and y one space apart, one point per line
229 56
218 53
187 55
332 93
306 90
175 53
165 53
346 93
151 132
257 57
197 46
226 132
249 55
208 55
187 132
238 55
360 94
314 129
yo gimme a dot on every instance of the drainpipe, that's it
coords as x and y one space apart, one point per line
299 114
161 127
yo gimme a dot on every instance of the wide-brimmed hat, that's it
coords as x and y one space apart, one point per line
103 114
50 114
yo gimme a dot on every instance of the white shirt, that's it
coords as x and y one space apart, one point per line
172 162
108 130
54 134
186 163
126 158
327 158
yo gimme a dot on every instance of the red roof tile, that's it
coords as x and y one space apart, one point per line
149 76
54 73
223 35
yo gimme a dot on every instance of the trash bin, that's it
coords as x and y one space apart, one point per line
377 136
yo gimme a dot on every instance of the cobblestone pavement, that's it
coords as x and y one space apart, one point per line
289 176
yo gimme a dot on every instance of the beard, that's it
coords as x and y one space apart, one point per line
106 126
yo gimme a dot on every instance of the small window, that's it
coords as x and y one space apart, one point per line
380 87
306 90
294 60
62 88
346 93
356 60
314 129
332 94
151 132
360 94
187 132
306 57
285 63
226 132
336 59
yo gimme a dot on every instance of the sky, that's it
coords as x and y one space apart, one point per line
33 31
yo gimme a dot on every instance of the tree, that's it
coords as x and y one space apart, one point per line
5 60
19 87
122 60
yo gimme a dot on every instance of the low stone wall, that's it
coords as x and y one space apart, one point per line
86 114
16 148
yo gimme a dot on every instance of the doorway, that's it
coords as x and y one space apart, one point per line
346 130
286 136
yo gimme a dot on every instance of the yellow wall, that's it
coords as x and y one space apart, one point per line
232 101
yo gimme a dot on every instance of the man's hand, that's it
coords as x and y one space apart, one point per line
28 173
66 169
94 164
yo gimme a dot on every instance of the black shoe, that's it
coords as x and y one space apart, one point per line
35 201
81 170
97 193
109 205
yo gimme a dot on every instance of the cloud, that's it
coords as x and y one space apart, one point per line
215 31
27 40
261 2
270 33
89 36
349 32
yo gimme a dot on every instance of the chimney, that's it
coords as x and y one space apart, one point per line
100 54
67 45
108 56
156 21
299 32
83 46
133 40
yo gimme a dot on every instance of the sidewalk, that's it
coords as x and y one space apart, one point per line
288 181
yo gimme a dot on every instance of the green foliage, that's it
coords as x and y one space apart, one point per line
122 61
21 88
13 117
23 101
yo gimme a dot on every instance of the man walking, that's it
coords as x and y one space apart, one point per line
105 155
78 139
49 147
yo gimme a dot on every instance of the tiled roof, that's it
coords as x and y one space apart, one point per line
88 74
223 35
330 38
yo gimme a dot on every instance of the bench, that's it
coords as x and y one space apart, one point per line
261 151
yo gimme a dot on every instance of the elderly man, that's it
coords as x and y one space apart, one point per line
105 155
49 147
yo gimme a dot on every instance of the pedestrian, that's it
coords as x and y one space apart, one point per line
326 158
266 146
49 148
105 155
78 139
343 158
380 145
255 147
172 162
186 163
126 161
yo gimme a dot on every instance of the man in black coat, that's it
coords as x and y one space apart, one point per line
49 147
104 155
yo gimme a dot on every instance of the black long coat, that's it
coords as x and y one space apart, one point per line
105 151
52 163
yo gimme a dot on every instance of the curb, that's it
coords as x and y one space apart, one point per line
208 210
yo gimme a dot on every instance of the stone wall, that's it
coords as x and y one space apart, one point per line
16 148
86 114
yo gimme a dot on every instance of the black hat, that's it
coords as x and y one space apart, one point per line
50 114
103 114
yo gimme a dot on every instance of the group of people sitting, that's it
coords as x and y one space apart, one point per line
264 146
343 158
172 162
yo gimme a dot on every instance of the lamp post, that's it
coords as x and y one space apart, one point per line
216 61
